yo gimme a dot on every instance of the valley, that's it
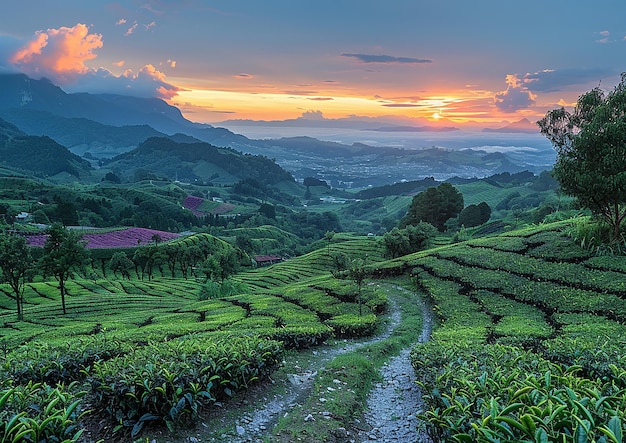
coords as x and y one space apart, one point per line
167 281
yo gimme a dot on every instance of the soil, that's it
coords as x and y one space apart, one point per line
391 406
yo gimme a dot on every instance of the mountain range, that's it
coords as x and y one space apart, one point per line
100 127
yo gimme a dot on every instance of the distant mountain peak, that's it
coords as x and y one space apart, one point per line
523 125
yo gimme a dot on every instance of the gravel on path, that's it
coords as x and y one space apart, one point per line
394 403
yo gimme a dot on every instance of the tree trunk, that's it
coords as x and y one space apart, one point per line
20 308
62 289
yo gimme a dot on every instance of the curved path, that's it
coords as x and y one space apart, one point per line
393 403
256 424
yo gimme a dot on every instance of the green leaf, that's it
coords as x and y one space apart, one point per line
541 436
581 434
514 424
615 425
512 408
614 430
529 422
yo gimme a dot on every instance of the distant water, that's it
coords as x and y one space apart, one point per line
534 149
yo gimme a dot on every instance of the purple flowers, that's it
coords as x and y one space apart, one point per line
124 238
193 203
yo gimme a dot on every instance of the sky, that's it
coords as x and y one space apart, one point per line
439 62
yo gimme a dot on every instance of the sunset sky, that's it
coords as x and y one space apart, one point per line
446 61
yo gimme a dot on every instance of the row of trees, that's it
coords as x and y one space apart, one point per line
63 253
197 259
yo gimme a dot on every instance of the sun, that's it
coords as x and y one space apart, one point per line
436 115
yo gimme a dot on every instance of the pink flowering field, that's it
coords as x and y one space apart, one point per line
123 238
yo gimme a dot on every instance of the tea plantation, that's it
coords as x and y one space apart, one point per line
530 343
528 347
131 353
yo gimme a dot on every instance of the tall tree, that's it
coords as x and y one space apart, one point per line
16 265
63 253
435 205
591 152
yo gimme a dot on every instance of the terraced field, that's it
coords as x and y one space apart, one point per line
530 341
140 352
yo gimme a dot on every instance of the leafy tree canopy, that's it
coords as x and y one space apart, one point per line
591 151
63 253
434 206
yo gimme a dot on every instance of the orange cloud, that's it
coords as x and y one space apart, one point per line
59 53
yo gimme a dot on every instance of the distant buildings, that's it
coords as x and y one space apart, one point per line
266 260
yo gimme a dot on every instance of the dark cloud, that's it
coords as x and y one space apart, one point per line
313 115
244 75
517 96
301 92
320 98
389 59
554 80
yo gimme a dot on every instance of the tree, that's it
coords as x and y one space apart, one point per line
357 274
188 258
435 205
210 268
156 238
485 212
591 152
475 215
16 265
328 236
267 210
121 263
396 243
228 260
399 242
340 263
63 253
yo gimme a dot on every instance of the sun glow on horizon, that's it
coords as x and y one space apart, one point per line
210 105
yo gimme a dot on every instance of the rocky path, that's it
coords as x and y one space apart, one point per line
393 403
391 407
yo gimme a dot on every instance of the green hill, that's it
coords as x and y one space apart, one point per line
40 156
196 161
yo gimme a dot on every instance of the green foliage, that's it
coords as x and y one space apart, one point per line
16 266
597 237
170 382
213 289
63 253
411 239
590 152
475 215
496 393
36 412
529 341
121 263
434 206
